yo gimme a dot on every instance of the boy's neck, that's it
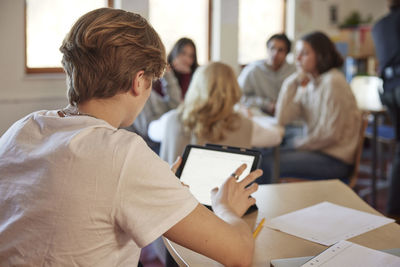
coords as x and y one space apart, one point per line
110 110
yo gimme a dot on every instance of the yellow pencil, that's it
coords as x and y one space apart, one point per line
259 227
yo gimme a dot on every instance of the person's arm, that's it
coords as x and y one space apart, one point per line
156 129
289 106
171 98
222 236
171 89
332 116
248 82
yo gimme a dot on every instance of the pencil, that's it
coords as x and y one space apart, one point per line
259 227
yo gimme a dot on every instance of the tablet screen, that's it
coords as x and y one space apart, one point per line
205 169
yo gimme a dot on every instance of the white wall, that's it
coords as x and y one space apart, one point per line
21 94
225 32
311 15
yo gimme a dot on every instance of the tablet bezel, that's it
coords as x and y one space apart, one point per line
228 149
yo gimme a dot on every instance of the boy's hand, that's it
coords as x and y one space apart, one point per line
235 195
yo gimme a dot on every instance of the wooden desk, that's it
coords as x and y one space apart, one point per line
277 199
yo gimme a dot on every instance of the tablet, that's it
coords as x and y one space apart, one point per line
206 167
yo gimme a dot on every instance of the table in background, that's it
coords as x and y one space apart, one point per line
366 90
277 199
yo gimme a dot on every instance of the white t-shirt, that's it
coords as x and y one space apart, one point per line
75 191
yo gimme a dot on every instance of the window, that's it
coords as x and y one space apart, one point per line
174 19
258 20
47 23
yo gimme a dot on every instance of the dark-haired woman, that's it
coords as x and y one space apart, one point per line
183 62
169 91
319 95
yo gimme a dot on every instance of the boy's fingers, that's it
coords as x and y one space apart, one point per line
252 188
239 171
251 177
176 164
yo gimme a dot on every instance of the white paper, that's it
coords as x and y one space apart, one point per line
345 253
265 121
327 223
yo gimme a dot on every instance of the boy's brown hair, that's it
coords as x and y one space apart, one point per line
105 49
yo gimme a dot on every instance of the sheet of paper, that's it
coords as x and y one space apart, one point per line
326 223
345 253
265 121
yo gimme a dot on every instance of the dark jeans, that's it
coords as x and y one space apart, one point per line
391 99
306 165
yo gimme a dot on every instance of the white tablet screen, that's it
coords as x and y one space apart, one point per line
205 169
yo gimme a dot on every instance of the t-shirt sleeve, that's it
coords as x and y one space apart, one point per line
150 198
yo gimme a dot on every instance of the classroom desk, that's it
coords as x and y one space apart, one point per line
277 199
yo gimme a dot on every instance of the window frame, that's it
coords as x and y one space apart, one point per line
208 35
284 15
30 70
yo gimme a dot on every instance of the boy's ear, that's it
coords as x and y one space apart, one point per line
138 83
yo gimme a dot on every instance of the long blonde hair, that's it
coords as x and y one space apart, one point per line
208 108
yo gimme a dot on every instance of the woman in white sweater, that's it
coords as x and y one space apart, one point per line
207 115
319 95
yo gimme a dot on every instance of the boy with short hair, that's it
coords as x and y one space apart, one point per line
77 190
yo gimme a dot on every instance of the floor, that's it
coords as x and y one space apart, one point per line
149 258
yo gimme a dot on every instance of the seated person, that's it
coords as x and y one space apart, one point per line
261 80
319 95
183 62
169 90
76 190
207 115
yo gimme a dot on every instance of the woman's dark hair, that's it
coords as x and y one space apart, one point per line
281 37
178 46
326 54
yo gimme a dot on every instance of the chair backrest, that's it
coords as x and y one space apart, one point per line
366 91
354 176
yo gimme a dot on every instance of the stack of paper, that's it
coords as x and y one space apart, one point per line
346 253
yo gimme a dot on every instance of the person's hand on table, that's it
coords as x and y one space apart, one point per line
270 108
234 195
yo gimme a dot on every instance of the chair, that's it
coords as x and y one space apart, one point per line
360 144
366 90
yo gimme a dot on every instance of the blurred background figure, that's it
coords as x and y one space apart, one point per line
386 35
168 91
261 80
208 115
319 95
